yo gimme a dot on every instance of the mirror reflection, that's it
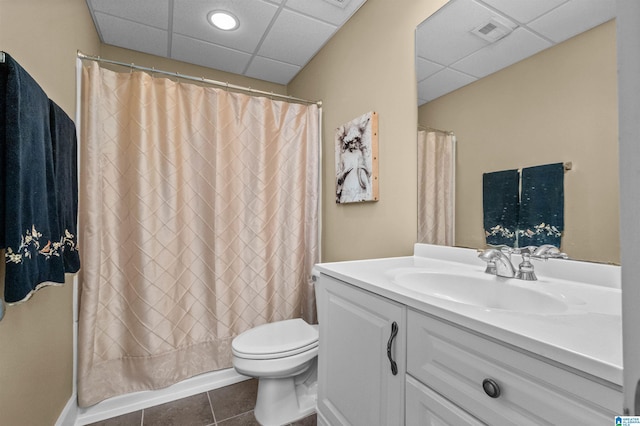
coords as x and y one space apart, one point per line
543 92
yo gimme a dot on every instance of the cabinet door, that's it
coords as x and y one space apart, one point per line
427 408
356 385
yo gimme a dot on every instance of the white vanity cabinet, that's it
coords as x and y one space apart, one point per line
356 384
448 369
460 364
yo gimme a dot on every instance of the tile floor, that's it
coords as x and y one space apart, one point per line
228 406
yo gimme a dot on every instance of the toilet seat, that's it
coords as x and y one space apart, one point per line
276 340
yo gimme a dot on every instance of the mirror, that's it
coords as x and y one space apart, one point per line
522 84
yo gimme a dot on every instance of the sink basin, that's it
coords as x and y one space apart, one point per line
485 291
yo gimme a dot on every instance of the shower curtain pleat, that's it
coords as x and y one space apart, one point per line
436 188
199 218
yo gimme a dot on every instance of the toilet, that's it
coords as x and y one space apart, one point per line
283 357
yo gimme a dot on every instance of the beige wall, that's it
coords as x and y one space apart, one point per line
369 66
559 105
36 355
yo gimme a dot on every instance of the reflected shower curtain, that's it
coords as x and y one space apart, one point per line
199 220
436 187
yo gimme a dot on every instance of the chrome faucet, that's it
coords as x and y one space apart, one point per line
498 263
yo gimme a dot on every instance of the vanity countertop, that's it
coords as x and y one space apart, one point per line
587 336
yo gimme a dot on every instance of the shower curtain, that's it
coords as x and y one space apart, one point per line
198 221
436 187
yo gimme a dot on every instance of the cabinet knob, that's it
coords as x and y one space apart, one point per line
491 388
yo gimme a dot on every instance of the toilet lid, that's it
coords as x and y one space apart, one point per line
276 339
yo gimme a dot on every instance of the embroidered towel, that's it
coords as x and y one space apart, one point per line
500 206
30 226
65 165
542 205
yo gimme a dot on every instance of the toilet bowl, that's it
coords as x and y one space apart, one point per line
282 356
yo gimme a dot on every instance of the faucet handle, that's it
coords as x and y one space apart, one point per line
524 250
488 255
545 249
508 250
525 269
491 268
548 251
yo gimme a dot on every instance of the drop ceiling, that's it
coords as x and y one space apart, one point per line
450 54
275 39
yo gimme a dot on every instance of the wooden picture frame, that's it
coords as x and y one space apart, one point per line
356 148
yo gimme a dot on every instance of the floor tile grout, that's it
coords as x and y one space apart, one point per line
213 413
236 415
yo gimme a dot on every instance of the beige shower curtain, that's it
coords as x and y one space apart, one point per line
436 187
198 221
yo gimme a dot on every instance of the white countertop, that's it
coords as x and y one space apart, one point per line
586 337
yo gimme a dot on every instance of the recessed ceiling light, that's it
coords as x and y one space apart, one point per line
223 20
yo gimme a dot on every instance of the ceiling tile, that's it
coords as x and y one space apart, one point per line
445 37
425 68
441 83
295 38
448 28
573 18
131 35
281 35
154 13
190 19
326 10
208 55
270 70
515 47
524 10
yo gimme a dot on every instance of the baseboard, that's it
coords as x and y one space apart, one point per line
321 420
73 415
69 412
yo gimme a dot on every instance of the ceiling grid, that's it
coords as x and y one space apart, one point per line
274 41
450 54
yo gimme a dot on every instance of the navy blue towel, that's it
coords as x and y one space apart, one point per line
500 206
65 165
30 231
542 205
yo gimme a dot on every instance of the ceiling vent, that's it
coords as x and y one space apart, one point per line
494 30
339 3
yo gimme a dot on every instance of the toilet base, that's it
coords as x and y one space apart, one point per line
285 400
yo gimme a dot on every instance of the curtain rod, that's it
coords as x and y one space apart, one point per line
198 79
433 129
